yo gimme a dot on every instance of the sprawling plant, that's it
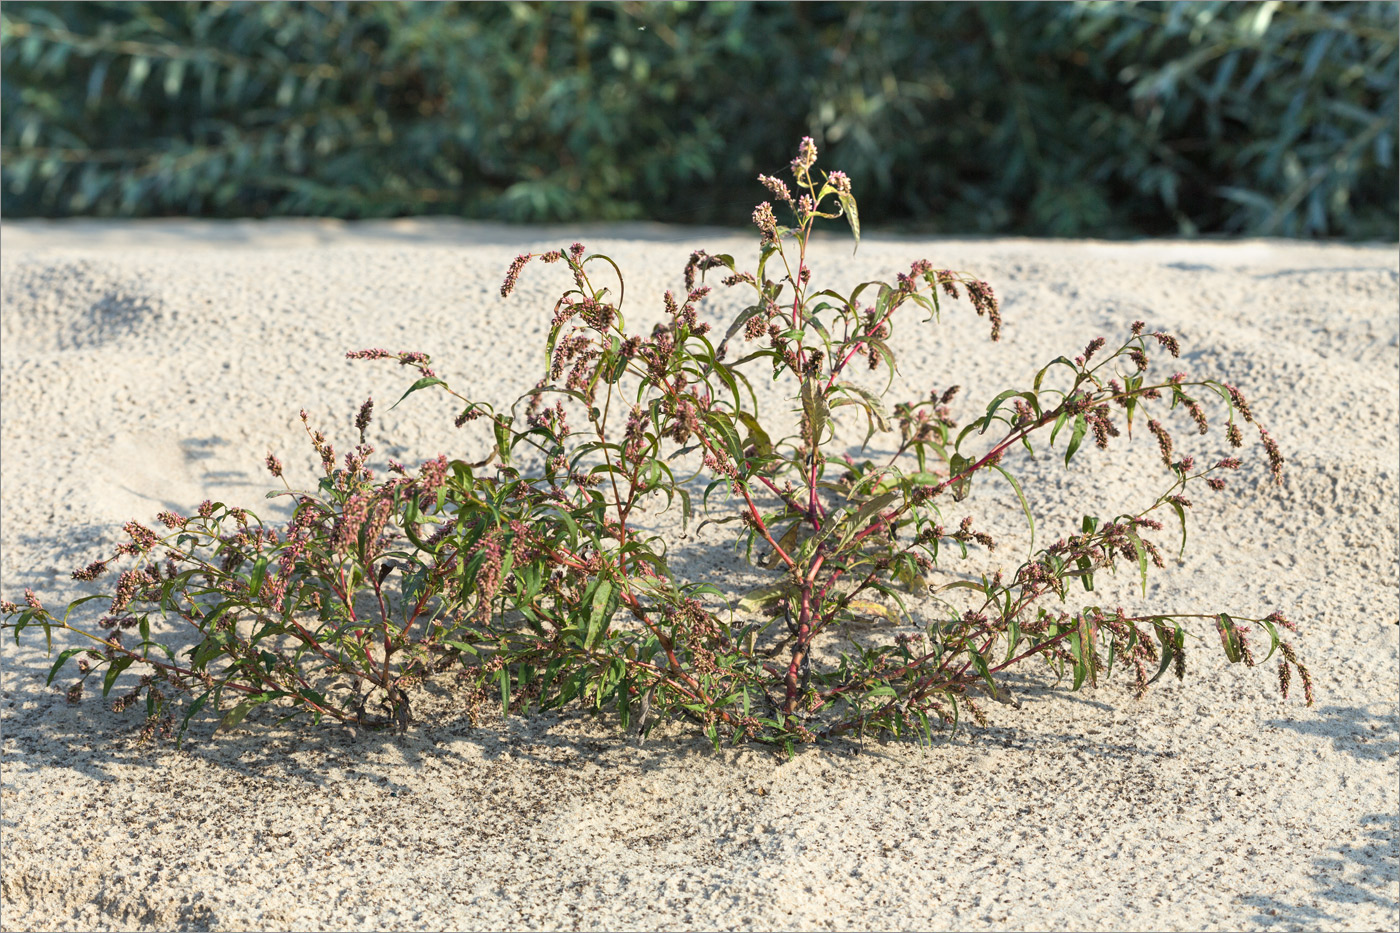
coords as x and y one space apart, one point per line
1095 119
528 574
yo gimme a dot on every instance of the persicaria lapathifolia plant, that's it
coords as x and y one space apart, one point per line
525 573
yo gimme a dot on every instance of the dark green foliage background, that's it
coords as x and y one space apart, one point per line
1061 119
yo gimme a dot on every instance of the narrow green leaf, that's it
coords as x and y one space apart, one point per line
961 487
598 613
1086 567
995 404
872 404
757 437
814 404
117 666
1168 643
1013 638
848 208
255 579
195 707
1229 638
725 428
235 716
1081 424
1181 514
420 384
1086 637
756 599
986 672
739 322
1077 651
1025 506
869 607
1142 558
1273 638
62 660
868 510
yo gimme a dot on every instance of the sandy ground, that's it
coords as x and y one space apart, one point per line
153 365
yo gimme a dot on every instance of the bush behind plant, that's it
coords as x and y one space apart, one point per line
526 575
1062 119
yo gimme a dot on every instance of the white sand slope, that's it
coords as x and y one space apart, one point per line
148 366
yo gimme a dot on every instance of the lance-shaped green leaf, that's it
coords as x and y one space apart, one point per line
117 666
423 383
235 716
868 607
1081 424
1040 376
1229 638
872 403
1025 506
754 601
1078 652
1181 515
195 707
1086 572
868 510
787 542
600 612
756 436
724 427
994 405
740 321
62 660
1141 557
1273 637
1171 641
958 465
814 405
1086 636
848 208
255 579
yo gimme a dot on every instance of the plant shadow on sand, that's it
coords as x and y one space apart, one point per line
1352 730
1356 875
89 739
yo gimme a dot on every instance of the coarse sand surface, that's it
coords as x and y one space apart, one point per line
147 366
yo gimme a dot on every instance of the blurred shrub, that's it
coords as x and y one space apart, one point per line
1102 119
